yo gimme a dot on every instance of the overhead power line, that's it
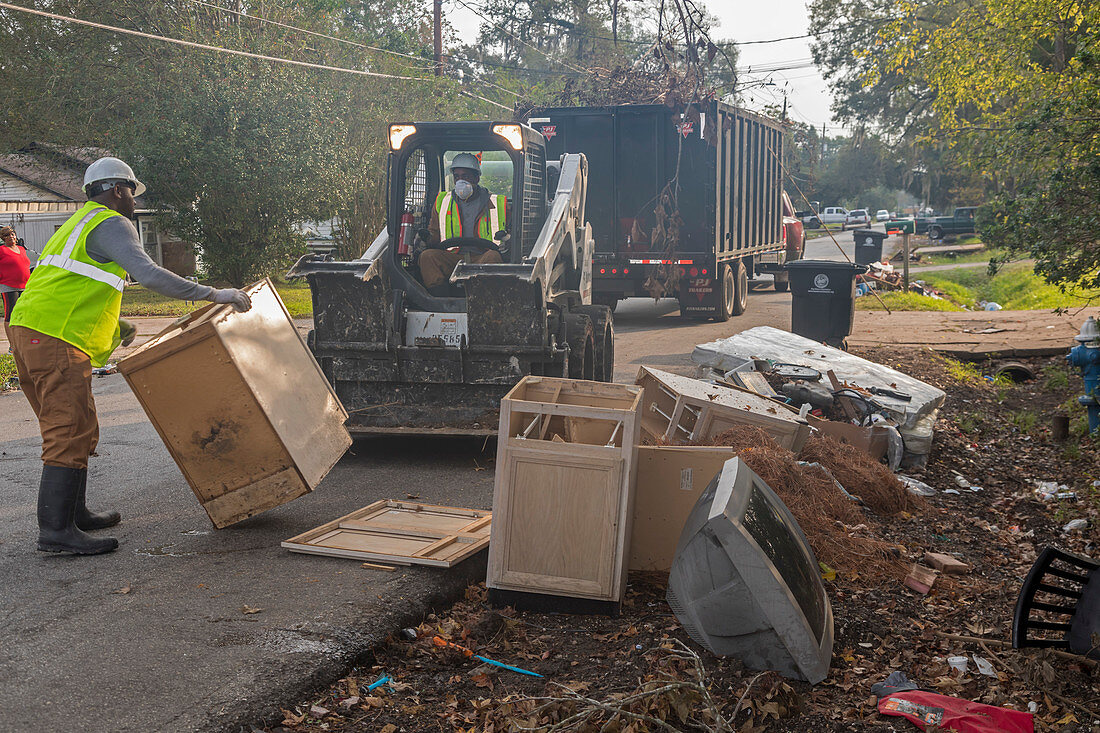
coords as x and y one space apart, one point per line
204 46
478 13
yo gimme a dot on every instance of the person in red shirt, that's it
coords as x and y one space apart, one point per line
15 268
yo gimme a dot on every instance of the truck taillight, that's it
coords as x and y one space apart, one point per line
603 270
694 272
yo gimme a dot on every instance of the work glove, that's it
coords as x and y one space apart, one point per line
126 331
237 298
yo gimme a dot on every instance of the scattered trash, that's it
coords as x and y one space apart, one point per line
408 634
1033 707
946 564
989 306
1047 490
985 667
105 370
919 488
378 683
961 482
932 711
921 578
1075 524
956 492
441 642
958 664
895 682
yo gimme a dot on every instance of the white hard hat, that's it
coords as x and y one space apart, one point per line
111 170
466 160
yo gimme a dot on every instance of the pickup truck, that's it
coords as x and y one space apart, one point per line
960 222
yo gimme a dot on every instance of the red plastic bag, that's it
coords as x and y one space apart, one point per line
926 709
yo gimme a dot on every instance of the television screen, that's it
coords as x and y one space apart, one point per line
745 583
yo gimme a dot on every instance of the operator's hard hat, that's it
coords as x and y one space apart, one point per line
111 171
466 160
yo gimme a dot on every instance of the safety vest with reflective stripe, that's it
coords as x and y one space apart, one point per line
489 222
69 295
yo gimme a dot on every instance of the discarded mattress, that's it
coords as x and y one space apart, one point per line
915 418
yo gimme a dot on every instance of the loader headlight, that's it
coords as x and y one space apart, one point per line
398 133
512 133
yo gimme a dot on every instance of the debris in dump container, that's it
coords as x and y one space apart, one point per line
1075 524
805 393
918 488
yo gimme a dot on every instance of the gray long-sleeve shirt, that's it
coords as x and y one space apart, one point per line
116 240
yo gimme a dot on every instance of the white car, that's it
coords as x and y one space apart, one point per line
858 216
882 215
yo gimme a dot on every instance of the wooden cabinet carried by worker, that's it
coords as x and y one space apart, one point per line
241 405
563 498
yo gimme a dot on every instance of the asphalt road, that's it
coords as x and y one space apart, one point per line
155 637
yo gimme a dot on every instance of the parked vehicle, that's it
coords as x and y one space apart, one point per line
857 217
833 215
730 190
960 222
794 236
882 215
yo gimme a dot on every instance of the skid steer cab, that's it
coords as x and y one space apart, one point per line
462 293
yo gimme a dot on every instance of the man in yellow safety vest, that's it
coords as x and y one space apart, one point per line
65 323
469 210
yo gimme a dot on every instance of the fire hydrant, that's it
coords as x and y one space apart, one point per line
1086 357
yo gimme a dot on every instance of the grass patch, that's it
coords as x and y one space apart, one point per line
1024 420
905 302
1055 378
138 301
983 255
1015 287
958 294
7 367
963 371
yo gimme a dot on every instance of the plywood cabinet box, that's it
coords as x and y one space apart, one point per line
669 482
241 405
563 499
682 410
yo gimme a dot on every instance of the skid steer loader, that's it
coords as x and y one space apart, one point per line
406 360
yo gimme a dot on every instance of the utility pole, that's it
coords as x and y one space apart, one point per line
438 13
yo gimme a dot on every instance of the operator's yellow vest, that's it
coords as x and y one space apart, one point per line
69 295
491 221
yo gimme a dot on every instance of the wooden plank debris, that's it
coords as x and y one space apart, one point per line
946 564
921 578
400 533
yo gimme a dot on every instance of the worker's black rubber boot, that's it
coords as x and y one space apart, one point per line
89 520
57 531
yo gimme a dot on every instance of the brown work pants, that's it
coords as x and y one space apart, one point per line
57 380
436 265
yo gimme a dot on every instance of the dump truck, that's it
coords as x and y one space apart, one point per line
723 164
404 359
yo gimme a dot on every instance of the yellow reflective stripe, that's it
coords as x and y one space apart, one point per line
74 235
83 268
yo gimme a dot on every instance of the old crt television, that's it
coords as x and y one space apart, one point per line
745 583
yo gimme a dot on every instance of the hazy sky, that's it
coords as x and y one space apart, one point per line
808 98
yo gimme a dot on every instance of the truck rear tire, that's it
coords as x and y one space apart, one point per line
603 369
733 291
582 346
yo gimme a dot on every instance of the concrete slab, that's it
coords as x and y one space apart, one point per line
155 637
971 335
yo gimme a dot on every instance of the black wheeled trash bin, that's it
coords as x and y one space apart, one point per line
868 245
823 296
